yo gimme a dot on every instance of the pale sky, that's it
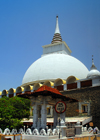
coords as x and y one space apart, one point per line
27 25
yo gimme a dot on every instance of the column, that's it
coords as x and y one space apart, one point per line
35 116
55 119
78 84
65 86
39 118
62 122
78 128
51 111
62 116
43 114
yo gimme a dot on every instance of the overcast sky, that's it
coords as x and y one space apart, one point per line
27 25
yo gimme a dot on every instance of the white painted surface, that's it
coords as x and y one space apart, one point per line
93 73
96 81
87 120
53 66
59 48
57 26
32 137
78 84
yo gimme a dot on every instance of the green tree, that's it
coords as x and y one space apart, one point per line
12 110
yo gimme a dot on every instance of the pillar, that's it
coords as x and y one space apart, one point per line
65 87
78 128
78 84
62 122
55 119
51 111
43 114
39 118
62 116
35 116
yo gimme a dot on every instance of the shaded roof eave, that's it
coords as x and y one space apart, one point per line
62 97
46 91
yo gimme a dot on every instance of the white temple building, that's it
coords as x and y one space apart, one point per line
56 68
56 62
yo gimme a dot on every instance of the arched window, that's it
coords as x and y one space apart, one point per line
4 93
59 84
11 92
19 90
48 83
28 88
71 82
36 86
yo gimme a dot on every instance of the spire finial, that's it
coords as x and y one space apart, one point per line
92 60
57 26
93 66
57 37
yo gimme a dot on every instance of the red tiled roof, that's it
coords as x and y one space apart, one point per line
46 88
46 91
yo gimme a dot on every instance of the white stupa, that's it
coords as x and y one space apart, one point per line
93 73
56 62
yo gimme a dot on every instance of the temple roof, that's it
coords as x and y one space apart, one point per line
46 88
46 91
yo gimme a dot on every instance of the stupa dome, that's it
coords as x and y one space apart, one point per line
55 63
93 71
54 66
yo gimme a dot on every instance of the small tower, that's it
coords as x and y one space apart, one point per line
57 36
57 46
93 66
93 71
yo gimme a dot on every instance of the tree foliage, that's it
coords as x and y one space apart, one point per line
12 110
